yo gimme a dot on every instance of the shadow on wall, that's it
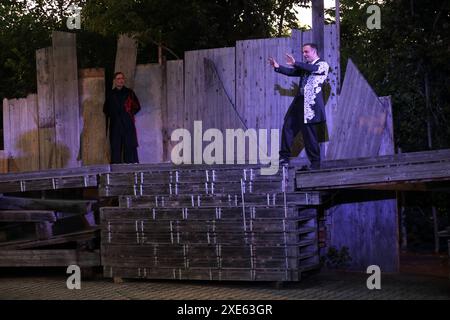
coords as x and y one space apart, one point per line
26 155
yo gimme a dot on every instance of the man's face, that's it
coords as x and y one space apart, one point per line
120 81
309 54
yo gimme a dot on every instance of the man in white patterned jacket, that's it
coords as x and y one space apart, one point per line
308 107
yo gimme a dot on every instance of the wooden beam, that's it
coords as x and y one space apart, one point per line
318 22
126 58
66 97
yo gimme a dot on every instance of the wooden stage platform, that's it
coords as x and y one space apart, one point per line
200 222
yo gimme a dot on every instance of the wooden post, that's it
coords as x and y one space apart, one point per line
318 22
126 58
46 109
94 145
67 106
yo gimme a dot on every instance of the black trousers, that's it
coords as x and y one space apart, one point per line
123 152
293 124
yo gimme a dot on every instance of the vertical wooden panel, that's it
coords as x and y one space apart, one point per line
94 145
23 145
263 96
210 89
331 55
126 56
173 111
46 109
368 229
67 104
387 146
3 161
318 22
360 120
6 128
149 91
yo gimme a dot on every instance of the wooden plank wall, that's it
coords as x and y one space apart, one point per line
21 135
372 224
67 106
263 96
126 56
172 115
46 108
149 90
94 144
209 77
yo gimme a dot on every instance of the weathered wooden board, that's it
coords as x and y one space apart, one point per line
172 113
149 90
373 228
21 134
228 200
27 216
46 108
94 144
48 258
359 130
209 94
360 121
78 236
126 56
3 162
66 99
67 206
375 176
387 146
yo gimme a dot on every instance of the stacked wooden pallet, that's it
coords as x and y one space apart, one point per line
226 223
47 233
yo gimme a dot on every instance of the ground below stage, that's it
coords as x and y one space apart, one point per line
421 277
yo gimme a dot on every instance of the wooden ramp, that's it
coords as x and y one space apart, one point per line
420 171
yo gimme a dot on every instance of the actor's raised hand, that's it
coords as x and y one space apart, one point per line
273 62
290 59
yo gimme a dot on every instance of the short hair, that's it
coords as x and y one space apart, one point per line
117 73
312 45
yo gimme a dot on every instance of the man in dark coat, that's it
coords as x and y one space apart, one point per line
120 108
308 107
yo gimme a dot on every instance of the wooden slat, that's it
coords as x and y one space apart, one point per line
48 258
173 108
228 200
3 161
126 56
27 216
67 106
387 141
148 88
84 235
95 146
376 176
67 206
46 108
21 134
361 119
263 96
209 92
